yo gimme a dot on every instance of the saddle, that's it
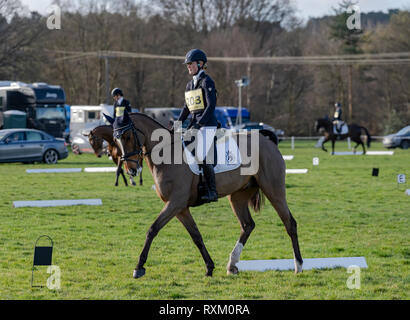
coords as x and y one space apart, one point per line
226 157
227 154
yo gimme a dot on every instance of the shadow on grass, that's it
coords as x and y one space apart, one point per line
289 186
81 163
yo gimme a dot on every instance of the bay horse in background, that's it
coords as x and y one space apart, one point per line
96 138
177 186
354 133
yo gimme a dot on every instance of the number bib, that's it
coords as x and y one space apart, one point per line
119 111
194 100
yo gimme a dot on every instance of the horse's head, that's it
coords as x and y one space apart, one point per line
96 142
321 124
130 140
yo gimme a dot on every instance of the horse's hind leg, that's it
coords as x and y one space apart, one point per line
132 181
239 203
277 196
188 221
355 147
284 213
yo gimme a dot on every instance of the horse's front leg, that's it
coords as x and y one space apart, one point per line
333 147
323 144
188 221
167 213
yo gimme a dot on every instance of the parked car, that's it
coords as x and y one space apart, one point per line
259 126
30 145
400 139
80 143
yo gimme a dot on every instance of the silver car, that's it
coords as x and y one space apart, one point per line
30 145
400 139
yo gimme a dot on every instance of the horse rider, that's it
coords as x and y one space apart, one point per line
337 117
120 103
200 102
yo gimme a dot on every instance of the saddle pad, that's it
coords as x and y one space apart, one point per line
344 129
228 156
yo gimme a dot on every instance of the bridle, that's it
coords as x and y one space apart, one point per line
96 139
117 134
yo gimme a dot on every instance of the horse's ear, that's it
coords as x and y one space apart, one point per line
109 119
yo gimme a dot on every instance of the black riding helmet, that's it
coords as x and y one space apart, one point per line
195 55
116 91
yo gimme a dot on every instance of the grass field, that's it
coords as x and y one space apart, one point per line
341 211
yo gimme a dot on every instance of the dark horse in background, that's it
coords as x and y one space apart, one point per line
354 133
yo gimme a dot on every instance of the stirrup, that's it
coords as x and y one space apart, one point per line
210 197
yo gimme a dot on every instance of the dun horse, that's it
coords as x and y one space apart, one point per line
96 138
354 133
176 185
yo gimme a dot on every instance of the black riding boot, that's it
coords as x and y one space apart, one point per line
210 181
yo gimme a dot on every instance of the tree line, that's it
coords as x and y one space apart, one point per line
286 96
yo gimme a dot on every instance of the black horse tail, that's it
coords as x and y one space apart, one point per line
272 136
369 138
257 201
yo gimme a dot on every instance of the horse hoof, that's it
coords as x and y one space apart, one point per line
209 272
232 270
138 273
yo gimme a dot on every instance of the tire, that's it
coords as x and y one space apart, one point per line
405 144
50 156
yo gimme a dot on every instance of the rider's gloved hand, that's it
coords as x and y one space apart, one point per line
196 126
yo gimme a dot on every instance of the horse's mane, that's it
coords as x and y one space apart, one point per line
139 114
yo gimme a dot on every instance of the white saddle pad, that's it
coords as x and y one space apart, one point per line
344 129
228 156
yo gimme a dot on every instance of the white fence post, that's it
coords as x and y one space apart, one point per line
292 142
348 143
